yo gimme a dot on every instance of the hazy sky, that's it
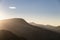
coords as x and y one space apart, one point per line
38 11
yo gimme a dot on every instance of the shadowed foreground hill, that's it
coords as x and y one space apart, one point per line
7 35
21 28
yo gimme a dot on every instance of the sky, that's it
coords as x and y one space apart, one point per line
37 11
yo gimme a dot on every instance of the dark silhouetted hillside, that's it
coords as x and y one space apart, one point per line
7 35
21 28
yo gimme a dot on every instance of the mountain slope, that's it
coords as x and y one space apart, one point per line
21 28
49 27
7 35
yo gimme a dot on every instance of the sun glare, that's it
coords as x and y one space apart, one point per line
2 17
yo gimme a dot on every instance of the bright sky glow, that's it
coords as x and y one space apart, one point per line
2 16
38 11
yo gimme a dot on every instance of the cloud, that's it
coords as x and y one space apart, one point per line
12 7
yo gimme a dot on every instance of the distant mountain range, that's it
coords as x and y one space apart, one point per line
21 28
49 27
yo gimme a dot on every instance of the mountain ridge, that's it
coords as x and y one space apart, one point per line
30 32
